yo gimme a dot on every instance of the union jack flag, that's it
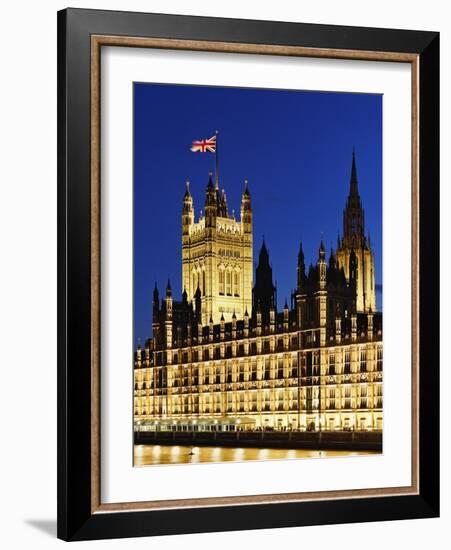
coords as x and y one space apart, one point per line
204 145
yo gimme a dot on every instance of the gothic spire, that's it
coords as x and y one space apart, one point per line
246 198
263 258
187 210
246 188
300 254
211 202
156 302
210 186
301 267
187 191
322 250
264 292
353 215
332 260
353 184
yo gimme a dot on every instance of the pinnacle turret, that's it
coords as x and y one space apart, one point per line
322 251
187 190
353 184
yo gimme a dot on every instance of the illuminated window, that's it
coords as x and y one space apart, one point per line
241 401
347 362
294 366
267 370
331 398
229 402
315 365
280 367
254 401
253 374
363 397
241 373
379 359
332 363
229 373
379 397
347 401
228 283
221 282
267 403
363 360
294 399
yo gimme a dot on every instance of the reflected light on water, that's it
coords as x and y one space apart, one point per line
239 454
263 454
216 454
146 455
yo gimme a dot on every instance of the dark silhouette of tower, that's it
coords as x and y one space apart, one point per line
264 292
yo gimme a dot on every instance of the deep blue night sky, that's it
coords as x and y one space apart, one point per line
294 147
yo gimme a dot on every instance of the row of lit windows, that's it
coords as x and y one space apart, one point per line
267 368
228 253
280 344
241 336
215 352
255 403
229 282
345 392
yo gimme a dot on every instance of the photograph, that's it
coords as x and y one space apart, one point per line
257 274
248 274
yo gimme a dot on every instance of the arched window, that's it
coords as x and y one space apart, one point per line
203 283
221 281
363 360
229 283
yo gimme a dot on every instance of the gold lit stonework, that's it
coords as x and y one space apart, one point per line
217 256
224 359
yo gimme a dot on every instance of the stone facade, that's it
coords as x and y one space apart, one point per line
224 358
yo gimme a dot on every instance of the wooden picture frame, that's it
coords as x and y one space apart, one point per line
81 35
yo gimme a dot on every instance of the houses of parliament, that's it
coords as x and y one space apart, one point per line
224 358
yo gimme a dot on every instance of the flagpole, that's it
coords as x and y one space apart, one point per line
217 160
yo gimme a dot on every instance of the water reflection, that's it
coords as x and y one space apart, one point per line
146 455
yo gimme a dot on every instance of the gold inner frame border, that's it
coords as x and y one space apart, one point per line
97 41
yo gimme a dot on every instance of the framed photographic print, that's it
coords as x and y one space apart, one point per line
248 274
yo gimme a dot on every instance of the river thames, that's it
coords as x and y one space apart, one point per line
147 455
